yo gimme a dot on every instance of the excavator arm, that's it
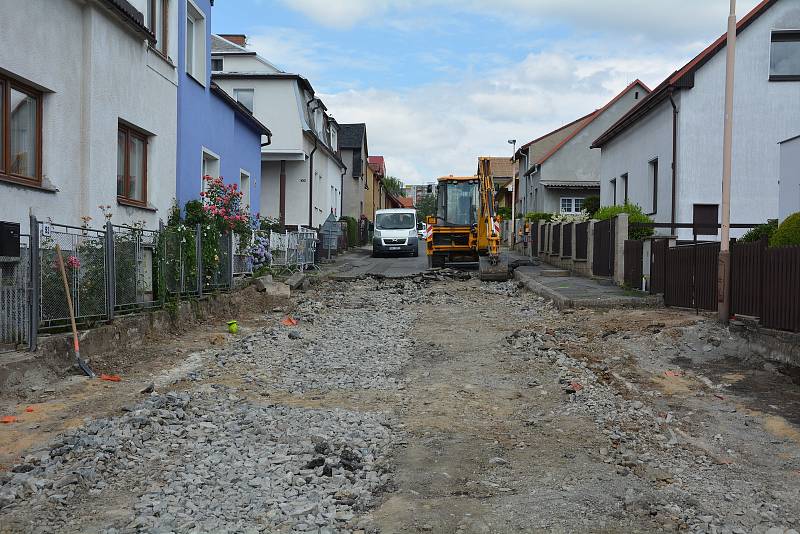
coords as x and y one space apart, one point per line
493 266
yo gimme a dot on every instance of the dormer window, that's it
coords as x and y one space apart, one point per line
217 64
157 20
784 60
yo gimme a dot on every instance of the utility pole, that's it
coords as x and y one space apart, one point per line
724 272
513 143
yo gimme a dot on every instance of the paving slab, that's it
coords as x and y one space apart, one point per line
577 291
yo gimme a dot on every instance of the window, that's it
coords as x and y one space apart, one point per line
157 19
195 43
244 187
131 165
217 64
334 140
613 183
653 168
571 205
784 61
244 97
20 132
210 167
624 180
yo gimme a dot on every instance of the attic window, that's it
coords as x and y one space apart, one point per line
216 64
636 95
784 61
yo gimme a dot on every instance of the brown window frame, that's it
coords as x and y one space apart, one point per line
160 47
5 132
126 198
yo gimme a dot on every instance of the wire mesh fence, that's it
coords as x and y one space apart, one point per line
15 297
83 251
124 269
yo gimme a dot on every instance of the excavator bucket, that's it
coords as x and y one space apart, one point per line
494 269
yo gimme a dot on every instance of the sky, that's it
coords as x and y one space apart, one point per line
441 82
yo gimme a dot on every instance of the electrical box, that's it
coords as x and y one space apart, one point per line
9 239
705 219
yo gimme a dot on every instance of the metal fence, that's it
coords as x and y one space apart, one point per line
293 251
15 297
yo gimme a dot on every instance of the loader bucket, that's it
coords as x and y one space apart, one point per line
494 269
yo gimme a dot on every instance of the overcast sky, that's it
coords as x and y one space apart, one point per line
440 82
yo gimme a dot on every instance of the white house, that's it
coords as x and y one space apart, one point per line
88 93
562 175
301 170
681 121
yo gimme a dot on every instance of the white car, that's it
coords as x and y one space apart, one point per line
421 228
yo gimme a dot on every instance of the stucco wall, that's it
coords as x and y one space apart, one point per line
790 178
575 161
631 153
98 72
353 193
205 120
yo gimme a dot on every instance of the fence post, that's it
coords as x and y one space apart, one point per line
198 257
620 229
111 272
35 286
161 260
230 260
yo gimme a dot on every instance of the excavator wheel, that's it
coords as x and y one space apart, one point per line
494 272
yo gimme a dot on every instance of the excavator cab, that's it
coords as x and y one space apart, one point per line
465 229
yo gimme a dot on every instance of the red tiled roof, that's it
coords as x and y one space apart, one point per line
591 117
378 164
406 202
682 78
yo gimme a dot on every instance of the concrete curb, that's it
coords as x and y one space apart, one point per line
603 303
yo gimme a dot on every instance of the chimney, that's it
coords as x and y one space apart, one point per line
236 38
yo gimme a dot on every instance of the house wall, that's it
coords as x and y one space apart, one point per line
353 193
270 189
631 153
98 71
207 121
765 113
790 178
575 161
369 198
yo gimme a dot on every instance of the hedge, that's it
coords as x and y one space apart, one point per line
788 233
635 215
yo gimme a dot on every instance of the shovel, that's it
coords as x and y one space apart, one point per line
82 364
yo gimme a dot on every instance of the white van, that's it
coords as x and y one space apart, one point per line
395 232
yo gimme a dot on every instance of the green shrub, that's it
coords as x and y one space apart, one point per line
504 212
760 231
635 215
788 233
591 204
352 230
533 216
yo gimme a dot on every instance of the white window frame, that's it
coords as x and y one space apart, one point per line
197 69
572 209
212 156
245 175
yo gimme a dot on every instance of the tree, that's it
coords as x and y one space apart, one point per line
426 207
394 186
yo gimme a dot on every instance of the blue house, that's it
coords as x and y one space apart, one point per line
217 135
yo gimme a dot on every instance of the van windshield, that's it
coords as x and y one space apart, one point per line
395 221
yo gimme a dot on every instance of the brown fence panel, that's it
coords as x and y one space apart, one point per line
691 276
658 265
581 240
603 257
781 275
556 240
566 238
633 263
747 278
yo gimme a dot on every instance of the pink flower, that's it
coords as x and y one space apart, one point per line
73 262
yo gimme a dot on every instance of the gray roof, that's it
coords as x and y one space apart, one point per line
131 16
220 45
352 135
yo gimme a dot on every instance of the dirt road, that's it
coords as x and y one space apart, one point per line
420 406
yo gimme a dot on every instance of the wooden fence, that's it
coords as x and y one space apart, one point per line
581 241
556 240
603 251
633 263
566 238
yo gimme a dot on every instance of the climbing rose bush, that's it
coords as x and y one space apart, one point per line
223 202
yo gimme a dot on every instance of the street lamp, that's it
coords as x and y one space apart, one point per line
513 143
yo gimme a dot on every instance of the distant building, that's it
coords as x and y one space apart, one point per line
302 172
562 176
355 153
502 171
665 154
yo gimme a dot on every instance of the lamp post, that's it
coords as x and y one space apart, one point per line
513 143
724 273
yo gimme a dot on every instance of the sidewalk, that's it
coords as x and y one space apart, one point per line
578 291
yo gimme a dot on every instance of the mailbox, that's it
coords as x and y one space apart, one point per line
9 239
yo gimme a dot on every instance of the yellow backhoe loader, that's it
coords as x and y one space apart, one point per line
465 228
